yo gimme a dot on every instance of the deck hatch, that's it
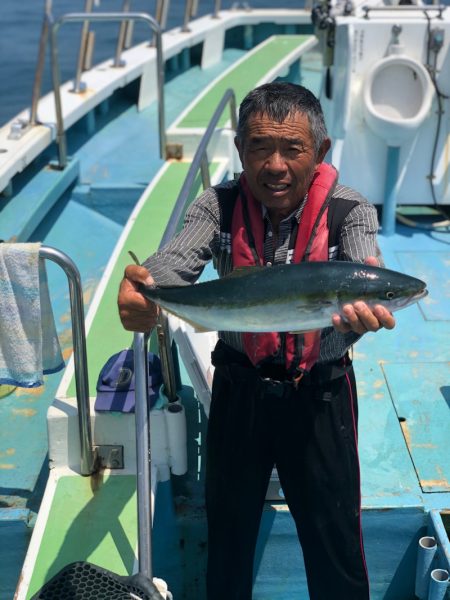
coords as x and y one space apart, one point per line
421 395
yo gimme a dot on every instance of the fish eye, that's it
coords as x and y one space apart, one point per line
390 295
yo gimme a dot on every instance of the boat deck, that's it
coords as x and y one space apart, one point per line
403 384
403 432
402 381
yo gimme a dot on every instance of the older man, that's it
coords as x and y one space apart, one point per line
278 399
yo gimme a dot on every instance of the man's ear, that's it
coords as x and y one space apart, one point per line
324 147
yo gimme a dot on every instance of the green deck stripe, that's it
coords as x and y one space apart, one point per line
106 335
85 524
245 76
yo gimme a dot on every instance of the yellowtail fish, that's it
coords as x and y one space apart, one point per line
294 298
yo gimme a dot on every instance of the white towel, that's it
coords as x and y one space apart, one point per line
29 345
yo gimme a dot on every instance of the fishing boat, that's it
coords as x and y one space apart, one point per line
107 163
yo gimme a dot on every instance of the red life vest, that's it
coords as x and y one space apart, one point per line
311 244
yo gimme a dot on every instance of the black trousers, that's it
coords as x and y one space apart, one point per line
310 434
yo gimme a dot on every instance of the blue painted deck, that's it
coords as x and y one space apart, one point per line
403 380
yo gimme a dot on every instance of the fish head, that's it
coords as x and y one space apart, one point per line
392 289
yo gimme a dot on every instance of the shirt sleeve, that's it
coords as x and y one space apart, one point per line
358 238
183 259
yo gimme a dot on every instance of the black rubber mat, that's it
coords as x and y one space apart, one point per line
84 581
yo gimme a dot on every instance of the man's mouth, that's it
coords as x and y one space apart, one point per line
277 187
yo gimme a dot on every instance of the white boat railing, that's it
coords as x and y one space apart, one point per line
124 39
103 17
126 18
50 30
405 8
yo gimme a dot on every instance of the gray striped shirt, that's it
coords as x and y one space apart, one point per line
182 261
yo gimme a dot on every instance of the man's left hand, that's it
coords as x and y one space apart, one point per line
361 318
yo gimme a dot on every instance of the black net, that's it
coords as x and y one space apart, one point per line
84 581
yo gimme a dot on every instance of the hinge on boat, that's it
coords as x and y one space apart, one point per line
109 457
174 151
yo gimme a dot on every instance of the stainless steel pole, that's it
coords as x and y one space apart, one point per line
79 351
143 455
122 36
104 17
84 41
56 79
37 85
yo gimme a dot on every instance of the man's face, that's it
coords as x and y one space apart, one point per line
279 160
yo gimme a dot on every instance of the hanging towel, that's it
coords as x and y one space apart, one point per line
29 345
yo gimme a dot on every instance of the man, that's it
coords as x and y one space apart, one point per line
278 399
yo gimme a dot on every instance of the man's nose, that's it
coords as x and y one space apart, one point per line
276 162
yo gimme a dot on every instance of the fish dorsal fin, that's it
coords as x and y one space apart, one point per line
241 271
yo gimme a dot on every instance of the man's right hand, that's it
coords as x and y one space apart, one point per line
136 312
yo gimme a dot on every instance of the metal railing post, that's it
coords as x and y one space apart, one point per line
143 455
187 15
162 9
104 17
179 208
79 352
78 86
37 85
118 62
204 169
217 7
56 79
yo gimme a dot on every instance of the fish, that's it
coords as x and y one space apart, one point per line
285 298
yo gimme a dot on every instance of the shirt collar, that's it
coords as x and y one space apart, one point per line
294 214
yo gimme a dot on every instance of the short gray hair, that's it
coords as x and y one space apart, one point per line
278 100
